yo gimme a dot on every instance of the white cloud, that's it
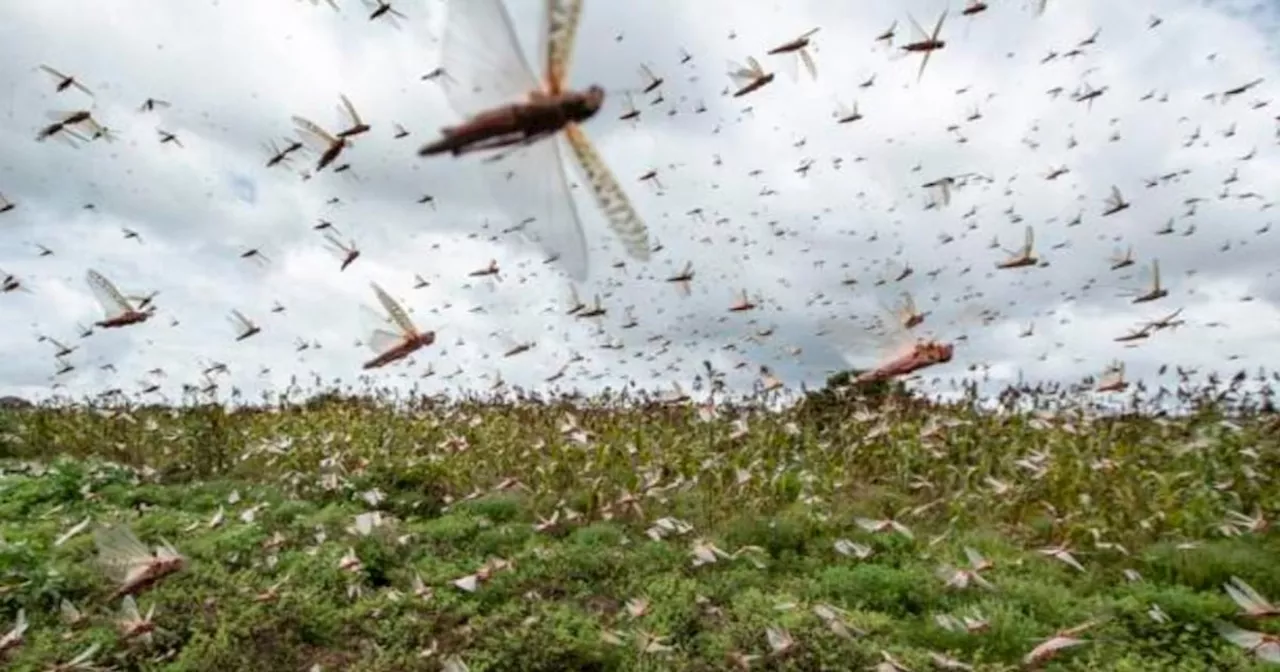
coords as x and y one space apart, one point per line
237 71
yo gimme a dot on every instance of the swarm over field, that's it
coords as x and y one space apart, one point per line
551 536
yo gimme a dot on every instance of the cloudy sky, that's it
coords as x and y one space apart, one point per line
813 245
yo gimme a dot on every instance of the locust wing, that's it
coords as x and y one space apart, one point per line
560 27
381 341
119 551
481 52
113 302
395 311
743 76
809 65
349 111
129 609
381 333
315 138
339 249
865 346
623 219
58 78
242 324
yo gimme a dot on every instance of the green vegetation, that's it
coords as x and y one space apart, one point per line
579 528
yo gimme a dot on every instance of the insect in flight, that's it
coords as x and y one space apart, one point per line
927 43
62 82
120 312
800 47
481 50
748 78
390 346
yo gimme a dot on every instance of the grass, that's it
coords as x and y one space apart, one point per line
574 523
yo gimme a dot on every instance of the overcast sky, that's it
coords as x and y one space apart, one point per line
236 71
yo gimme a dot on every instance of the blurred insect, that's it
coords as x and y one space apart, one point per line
355 125
684 279
380 9
1087 94
6 205
82 661
593 311
278 155
1156 291
942 187
244 327
439 75
1063 639
10 283
902 351
389 345
65 125
1264 646
131 564
894 271
152 104
847 115
64 367
142 302
1112 379
346 252
63 82
1023 257
961 578
479 46
132 624
490 270
62 349
887 36
328 146
742 303
167 137
926 43
120 311
922 354
1235 91
631 114
1138 334
512 347
800 47
1253 604
908 316
1122 259
16 635
1169 321
71 615
651 81
749 78
256 255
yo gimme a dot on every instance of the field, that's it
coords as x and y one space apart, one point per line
536 536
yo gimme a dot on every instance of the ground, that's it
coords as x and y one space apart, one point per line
645 539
